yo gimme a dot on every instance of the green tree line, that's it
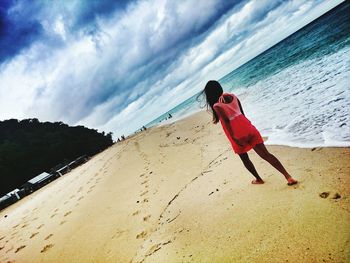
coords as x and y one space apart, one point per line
29 147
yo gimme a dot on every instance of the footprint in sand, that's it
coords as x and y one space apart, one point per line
62 222
19 248
46 248
66 214
144 182
81 197
1 238
145 200
324 194
141 235
46 238
33 235
72 196
145 192
9 250
145 218
142 175
53 215
154 248
136 213
25 225
118 233
13 228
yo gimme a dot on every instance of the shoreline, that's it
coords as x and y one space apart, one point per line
177 193
300 145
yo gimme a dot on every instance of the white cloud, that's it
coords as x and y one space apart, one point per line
141 59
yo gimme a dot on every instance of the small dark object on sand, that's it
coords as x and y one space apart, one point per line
324 194
313 149
178 138
5 215
336 196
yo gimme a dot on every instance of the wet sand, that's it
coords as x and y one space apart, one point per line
177 193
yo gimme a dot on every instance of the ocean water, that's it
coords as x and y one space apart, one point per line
296 93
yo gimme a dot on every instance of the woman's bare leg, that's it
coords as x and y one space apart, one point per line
261 150
250 167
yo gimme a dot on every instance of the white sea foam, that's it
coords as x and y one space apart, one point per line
305 105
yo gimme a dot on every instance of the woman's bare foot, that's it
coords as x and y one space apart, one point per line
258 181
291 181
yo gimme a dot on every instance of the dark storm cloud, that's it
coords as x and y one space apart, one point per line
89 11
18 28
21 21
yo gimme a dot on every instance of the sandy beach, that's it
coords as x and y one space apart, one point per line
177 193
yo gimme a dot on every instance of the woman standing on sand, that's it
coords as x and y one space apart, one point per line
243 136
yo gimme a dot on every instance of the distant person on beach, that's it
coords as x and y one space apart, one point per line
243 136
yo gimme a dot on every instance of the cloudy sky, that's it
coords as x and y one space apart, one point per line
117 65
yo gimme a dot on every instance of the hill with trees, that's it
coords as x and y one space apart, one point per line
29 147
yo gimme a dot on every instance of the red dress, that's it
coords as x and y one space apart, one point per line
243 131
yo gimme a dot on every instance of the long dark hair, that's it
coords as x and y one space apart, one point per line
212 93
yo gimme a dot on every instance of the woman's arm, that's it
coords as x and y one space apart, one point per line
240 106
